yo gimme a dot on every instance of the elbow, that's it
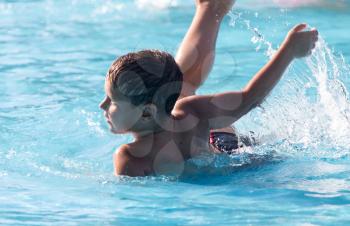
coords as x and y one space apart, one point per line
249 101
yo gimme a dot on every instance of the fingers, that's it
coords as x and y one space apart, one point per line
314 31
299 27
314 34
314 38
311 35
304 39
309 38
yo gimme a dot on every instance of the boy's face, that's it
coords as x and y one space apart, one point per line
120 114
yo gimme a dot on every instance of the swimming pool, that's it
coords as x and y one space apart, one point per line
56 150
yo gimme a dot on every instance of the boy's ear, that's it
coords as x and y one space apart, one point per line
149 112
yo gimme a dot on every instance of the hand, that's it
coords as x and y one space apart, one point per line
219 7
300 42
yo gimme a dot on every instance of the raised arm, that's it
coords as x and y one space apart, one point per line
223 109
197 50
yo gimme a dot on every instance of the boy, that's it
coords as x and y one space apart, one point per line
151 96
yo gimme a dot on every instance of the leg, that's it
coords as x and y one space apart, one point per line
197 51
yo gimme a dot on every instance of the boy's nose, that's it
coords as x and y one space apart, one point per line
104 104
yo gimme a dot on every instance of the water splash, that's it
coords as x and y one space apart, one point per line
258 38
151 4
309 111
333 95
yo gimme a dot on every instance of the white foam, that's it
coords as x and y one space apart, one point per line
109 7
155 4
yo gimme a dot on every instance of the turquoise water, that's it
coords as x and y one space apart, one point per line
56 150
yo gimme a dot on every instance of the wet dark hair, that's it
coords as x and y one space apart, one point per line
148 76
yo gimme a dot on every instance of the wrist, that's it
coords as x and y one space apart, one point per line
288 49
209 9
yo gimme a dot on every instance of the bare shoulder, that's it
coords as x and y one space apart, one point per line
187 104
191 104
126 164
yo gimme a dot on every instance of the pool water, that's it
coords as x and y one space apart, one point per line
56 150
